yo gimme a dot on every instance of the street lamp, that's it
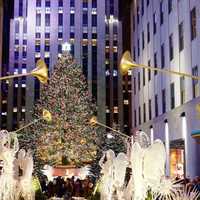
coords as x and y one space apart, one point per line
40 72
127 63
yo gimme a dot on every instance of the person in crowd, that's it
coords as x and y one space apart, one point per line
78 188
69 188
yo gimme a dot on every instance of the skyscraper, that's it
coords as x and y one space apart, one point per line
39 29
165 34
1 31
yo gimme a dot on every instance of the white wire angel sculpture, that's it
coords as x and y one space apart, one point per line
14 185
8 148
106 164
25 164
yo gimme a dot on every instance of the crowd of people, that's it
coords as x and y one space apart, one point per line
190 183
70 188
67 188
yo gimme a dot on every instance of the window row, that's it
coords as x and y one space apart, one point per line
171 42
195 91
193 26
72 19
140 9
60 3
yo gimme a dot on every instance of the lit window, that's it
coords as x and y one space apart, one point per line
24 71
126 102
46 54
72 11
107 111
114 72
4 101
15 71
115 49
115 109
37 55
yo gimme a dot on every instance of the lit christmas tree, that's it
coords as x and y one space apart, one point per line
69 138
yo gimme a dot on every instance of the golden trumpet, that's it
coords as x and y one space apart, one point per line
127 63
40 72
93 122
46 115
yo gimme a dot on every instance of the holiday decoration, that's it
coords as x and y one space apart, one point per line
69 134
16 169
147 179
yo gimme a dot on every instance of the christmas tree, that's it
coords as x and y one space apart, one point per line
69 137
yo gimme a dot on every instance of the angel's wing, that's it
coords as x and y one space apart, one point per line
139 186
154 163
120 164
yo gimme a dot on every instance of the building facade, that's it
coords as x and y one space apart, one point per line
166 34
1 30
39 29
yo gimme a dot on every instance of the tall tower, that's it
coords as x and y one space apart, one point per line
39 29
1 31
1 44
165 34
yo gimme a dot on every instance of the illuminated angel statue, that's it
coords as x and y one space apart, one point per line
147 172
119 172
25 164
13 183
106 164
8 148
139 188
